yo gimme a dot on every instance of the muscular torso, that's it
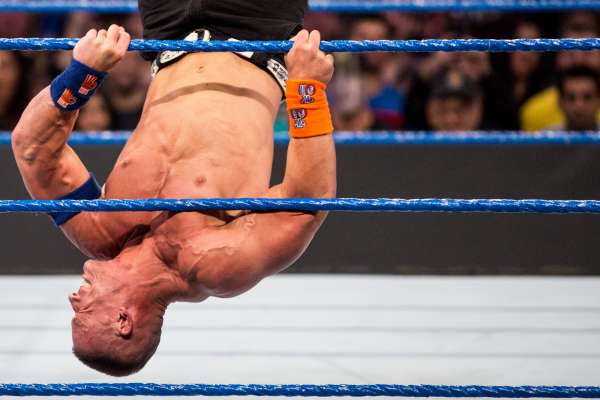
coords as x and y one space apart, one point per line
206 132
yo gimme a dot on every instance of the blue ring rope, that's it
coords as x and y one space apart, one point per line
311 205
386 138
351 46
149 389
338 6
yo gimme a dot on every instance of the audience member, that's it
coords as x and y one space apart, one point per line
381 73
455 103
370 91
13 88
579 99
543 111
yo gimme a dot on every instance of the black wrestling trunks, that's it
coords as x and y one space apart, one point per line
224 20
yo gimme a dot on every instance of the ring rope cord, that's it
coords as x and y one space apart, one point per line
375 138
338 6
335 46
531 206
150 389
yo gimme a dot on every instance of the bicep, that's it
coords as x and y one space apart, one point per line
271 243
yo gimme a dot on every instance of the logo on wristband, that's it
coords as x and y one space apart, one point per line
307 92
90 83
67 99
298 115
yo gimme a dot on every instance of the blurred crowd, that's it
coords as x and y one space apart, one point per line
371 91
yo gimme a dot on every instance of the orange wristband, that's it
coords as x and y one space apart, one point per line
308 109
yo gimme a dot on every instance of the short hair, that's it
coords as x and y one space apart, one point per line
577 72
116 355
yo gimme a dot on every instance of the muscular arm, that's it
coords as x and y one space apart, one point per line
49 167
311 162
262 244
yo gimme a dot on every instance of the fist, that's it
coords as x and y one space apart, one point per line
102 50
307 61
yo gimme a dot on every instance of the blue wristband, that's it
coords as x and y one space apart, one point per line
90 190
75 86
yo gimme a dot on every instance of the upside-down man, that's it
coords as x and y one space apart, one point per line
206 131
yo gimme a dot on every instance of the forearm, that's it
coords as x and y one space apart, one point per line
311 168
42 131
311 162
48 166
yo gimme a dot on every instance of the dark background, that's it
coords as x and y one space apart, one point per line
395 243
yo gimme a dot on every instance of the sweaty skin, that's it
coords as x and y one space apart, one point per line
206 131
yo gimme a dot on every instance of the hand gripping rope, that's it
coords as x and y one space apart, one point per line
336 46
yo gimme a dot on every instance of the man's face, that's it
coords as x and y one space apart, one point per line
454 114
580 102
92 305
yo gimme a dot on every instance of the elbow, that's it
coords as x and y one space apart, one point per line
23 146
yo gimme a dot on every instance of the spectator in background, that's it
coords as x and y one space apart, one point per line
352 111
543 111
525 72
13 89
95 116
579 99
125 89
380 72
495 95
455 103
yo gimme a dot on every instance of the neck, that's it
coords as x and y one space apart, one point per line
149 279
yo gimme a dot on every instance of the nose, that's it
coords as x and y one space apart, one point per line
74 300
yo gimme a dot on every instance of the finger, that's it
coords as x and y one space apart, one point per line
330 58
113 33
301 37
123 42
92 33
315 39
102 34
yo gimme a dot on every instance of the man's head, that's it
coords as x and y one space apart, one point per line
579 25
117 326
579 89
455 103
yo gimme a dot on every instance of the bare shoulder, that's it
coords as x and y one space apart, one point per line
228 260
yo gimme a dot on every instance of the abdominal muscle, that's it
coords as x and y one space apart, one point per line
206 131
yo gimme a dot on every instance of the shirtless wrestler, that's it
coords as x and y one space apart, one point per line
206 131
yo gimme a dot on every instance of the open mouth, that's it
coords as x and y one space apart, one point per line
86 282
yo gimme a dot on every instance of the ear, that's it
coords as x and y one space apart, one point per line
124 323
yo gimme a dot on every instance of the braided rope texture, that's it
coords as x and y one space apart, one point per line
312 205
336 46
141 389
339 6
381 138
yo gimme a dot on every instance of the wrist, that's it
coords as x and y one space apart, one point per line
308 108
72 89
